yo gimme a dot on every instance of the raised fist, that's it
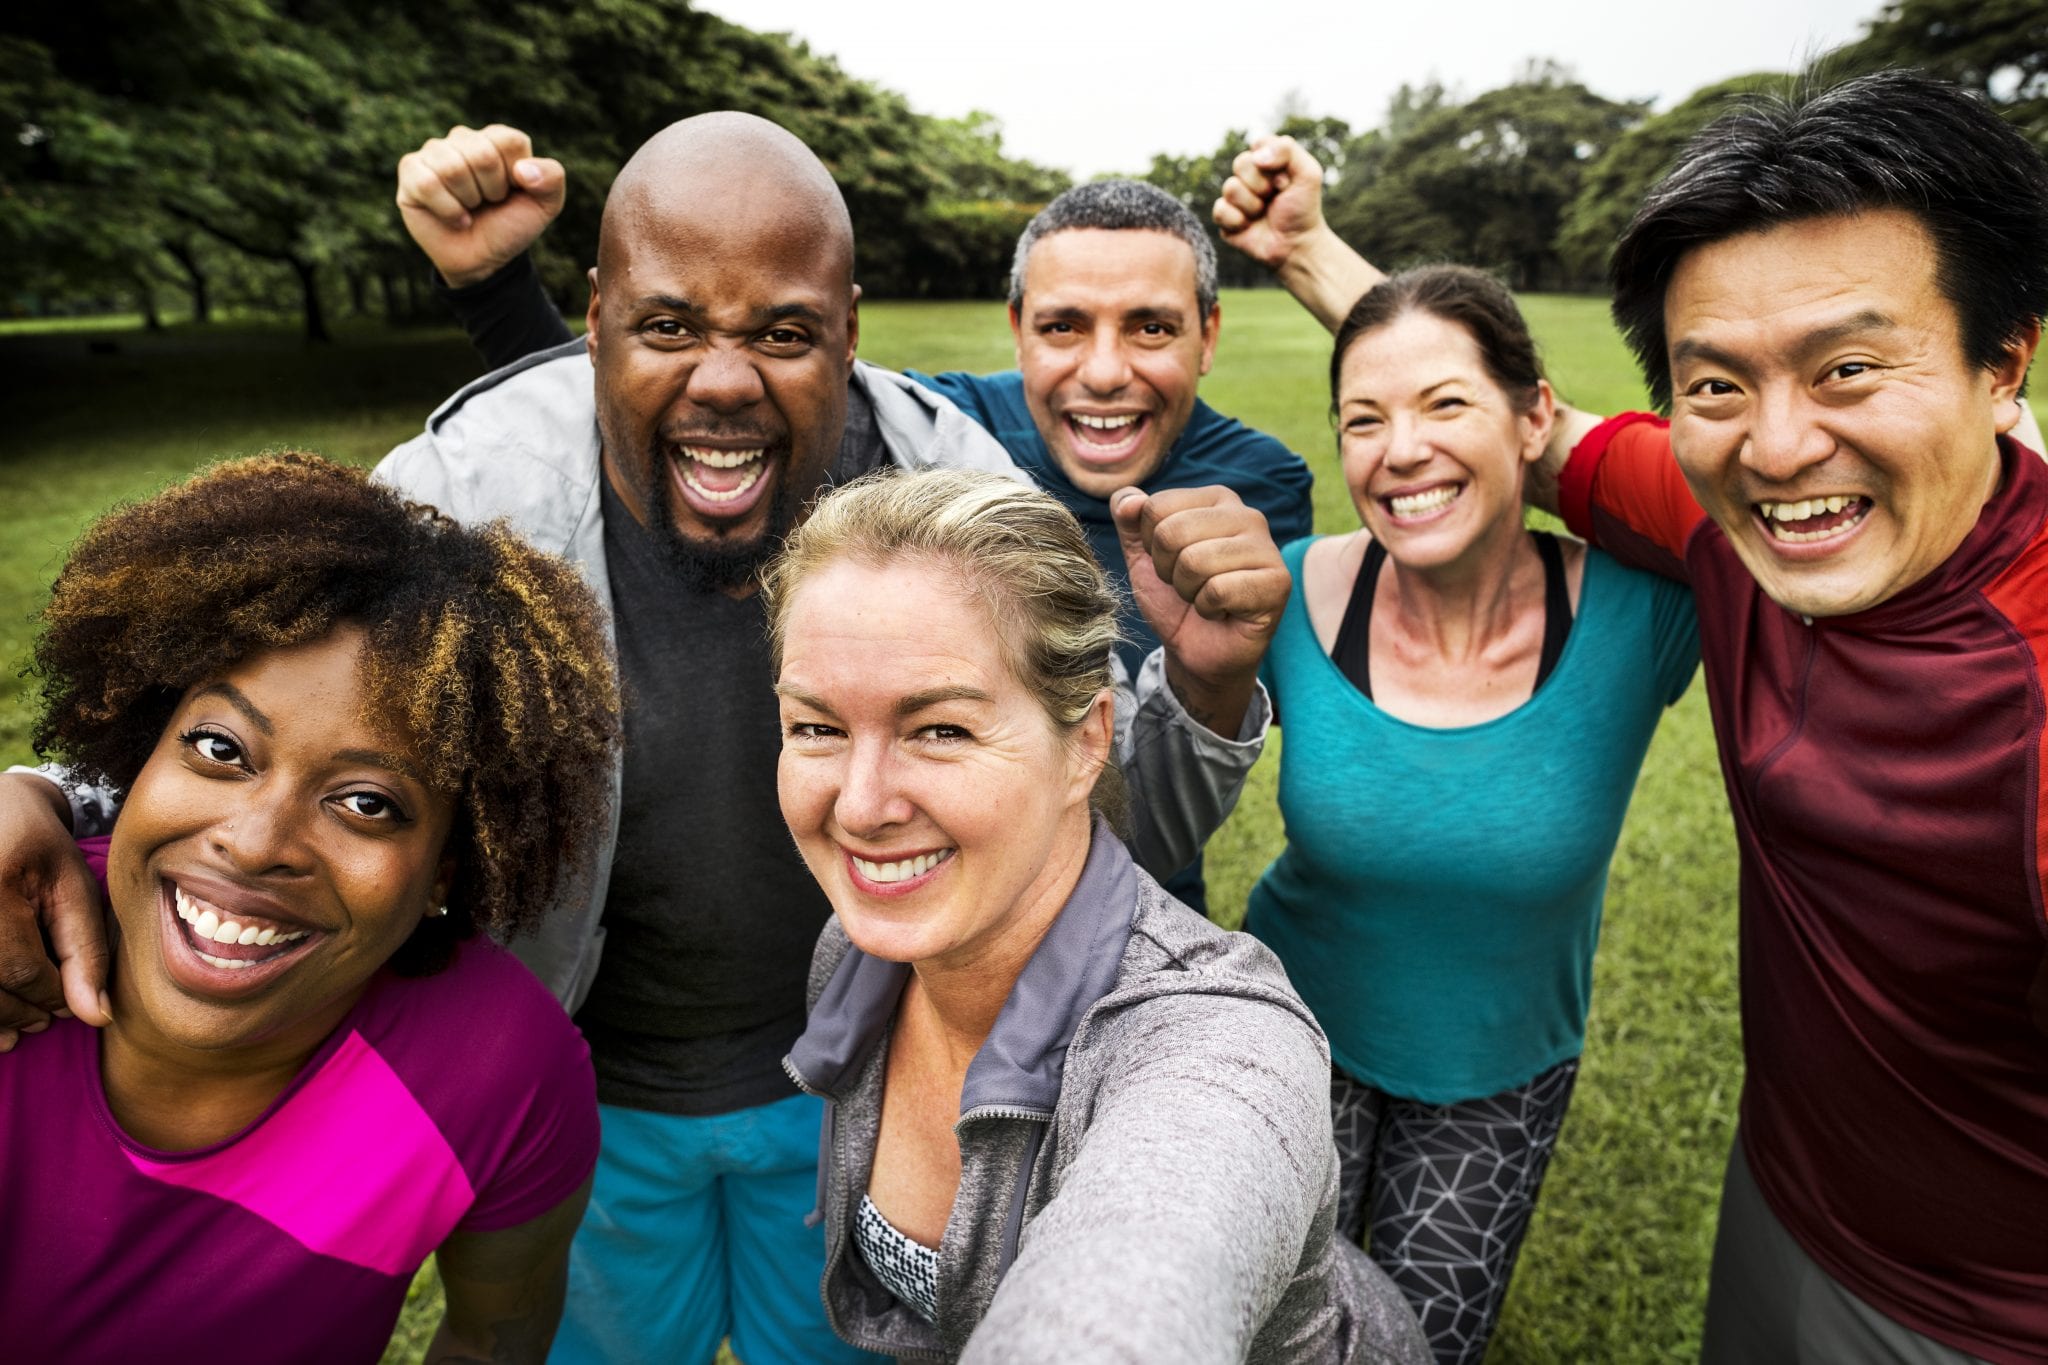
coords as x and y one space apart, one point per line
476 199
1272 202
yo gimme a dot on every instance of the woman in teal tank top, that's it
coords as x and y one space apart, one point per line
1467 705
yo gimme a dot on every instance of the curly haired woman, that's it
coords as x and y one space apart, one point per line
349 734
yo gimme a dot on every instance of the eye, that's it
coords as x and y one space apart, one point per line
1851 369
1447 403
1156 330
809 731
213 747
941 733
783 338
670 328
1710 388
371 806
1057 329
1363 422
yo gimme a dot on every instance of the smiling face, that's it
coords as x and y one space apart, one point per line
272 854
1433 448
928 790
1112 343
1823 412
723 329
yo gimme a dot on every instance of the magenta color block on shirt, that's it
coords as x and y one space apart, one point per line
462 1101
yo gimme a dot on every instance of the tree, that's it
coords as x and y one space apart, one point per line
1615 184
1997 47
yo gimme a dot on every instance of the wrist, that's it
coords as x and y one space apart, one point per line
1217 703
1326 275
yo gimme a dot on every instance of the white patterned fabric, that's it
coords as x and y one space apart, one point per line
907 1269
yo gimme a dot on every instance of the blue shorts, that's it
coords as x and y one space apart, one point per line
695 1233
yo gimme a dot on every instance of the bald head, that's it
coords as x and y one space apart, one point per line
746 174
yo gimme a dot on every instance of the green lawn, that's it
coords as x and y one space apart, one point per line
1615 1267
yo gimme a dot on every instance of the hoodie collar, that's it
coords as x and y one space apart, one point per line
1020 1064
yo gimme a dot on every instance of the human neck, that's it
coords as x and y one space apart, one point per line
1457 610
962 993
167 1095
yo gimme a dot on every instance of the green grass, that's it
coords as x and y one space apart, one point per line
1615 1266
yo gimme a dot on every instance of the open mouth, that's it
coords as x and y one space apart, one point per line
1106 438
221 950
1421 505
717 482
898 876
1812 520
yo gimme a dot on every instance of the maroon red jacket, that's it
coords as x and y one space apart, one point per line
1886 773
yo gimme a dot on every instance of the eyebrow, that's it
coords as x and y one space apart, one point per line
391 763
909 705
761 317
1070 313
233 696
1856 324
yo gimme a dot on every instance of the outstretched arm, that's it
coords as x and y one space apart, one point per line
504 1289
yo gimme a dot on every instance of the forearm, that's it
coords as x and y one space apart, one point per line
83 809
507 316
1183 775
1327 277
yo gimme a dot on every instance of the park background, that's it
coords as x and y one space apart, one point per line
199 258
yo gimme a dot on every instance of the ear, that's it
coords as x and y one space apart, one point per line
590 327
852 328
1212 327
1537 422
2009 376
1017 332
1091 744
444 883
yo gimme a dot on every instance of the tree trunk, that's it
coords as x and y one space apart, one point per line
309 290
358 293
394 312
145 294
196 281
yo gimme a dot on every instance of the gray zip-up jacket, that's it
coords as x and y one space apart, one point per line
1147 1171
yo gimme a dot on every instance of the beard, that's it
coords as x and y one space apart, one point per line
705 566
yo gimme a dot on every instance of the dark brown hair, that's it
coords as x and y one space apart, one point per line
489 655
1472 299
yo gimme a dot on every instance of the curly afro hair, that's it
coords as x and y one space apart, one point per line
490 655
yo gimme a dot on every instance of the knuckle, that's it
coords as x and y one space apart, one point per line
21 975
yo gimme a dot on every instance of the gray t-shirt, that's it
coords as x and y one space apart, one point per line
711 916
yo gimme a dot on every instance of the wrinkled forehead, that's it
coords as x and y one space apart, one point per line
1118 267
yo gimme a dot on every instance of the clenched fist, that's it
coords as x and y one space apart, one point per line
476 199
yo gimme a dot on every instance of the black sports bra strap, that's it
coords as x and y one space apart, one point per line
1557 605
1353 651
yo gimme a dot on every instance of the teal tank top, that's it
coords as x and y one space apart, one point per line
1439 898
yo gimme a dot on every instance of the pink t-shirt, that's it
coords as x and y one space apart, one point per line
462 1101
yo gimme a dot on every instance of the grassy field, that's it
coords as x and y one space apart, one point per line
1615 1267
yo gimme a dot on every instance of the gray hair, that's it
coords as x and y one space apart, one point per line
1121 205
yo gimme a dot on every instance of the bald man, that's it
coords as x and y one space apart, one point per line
722 326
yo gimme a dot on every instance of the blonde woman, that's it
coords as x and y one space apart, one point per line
1062 1108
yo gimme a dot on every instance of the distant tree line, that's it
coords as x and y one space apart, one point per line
240 152
1536 179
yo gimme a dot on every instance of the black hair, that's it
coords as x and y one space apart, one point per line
1892 140
1121 205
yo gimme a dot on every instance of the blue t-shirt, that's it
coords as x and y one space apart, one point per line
1213 449
1439 897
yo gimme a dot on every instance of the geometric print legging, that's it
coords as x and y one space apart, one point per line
1450 1188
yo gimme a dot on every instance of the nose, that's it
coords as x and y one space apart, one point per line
1105 368
260 838
1785 436
871 797
1406 449
724 379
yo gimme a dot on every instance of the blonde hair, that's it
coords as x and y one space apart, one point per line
1015 550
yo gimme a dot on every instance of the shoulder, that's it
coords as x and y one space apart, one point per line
1178 962
485 1019
925 429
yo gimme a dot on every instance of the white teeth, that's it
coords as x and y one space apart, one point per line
233 964
1414 504
723 459
903 870
1779 516
752 477
265 936
1104 423
249 934
228 932
205 925
208 926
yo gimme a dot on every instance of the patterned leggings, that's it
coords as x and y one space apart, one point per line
1450 1188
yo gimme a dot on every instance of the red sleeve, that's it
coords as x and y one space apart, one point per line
1621 490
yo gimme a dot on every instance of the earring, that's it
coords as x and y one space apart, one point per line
441 913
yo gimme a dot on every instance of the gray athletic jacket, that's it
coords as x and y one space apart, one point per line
1147 1172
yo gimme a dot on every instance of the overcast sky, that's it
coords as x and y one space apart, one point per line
1100 85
